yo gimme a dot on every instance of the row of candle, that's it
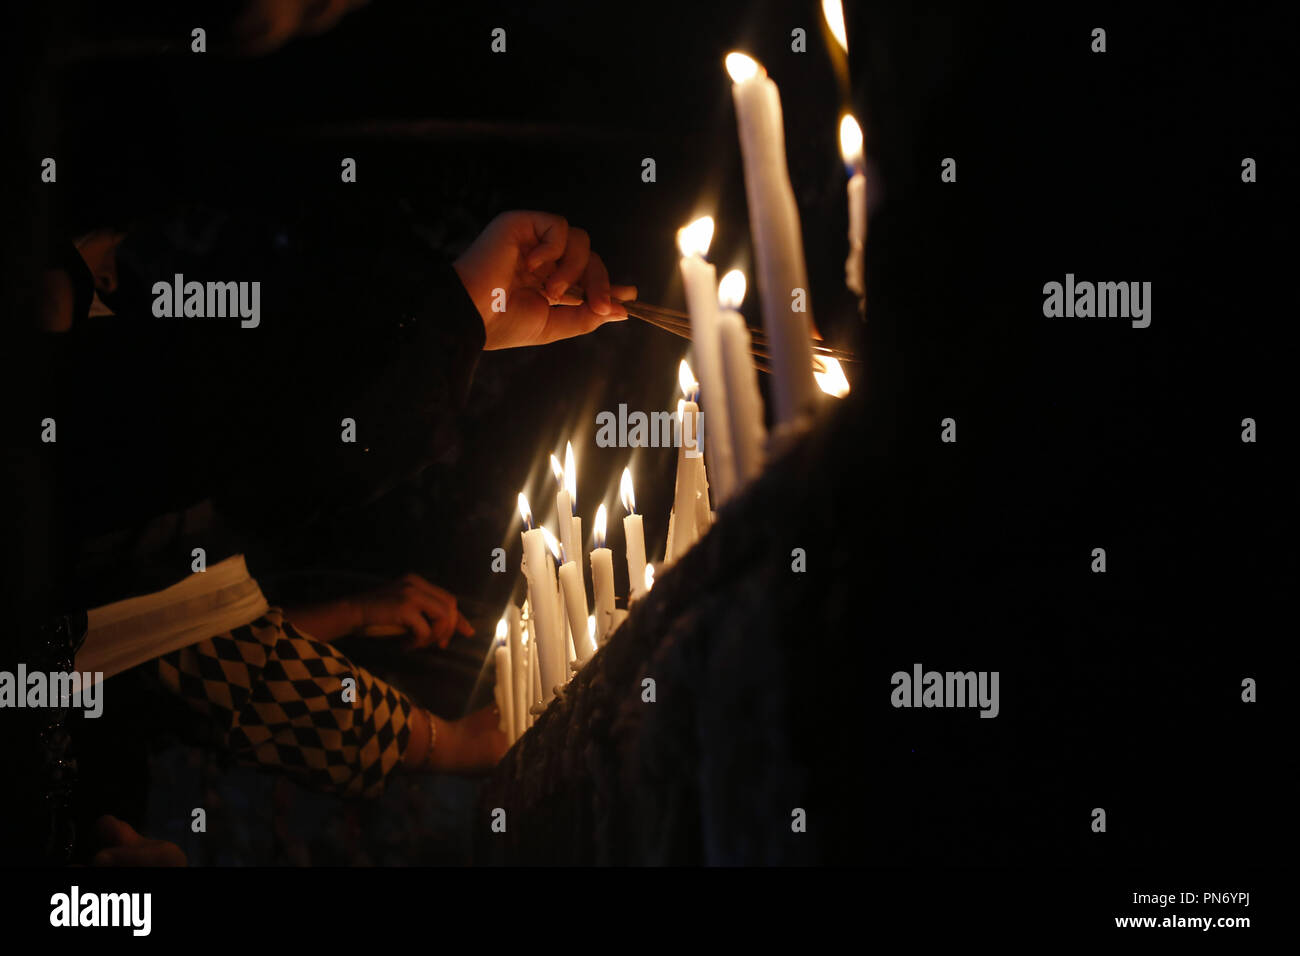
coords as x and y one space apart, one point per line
553 635
541 645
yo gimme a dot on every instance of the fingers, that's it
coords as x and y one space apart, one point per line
440 607
547 234
565 321
596 280
113 832
146 853
572 265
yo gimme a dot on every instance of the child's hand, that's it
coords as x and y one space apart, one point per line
534 257
122 846
413 604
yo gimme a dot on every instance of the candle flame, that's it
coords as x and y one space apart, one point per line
742 67
833 11
551 542
625 492
598 529
591 627
525 512
502 628
850 140
570 476
558 469
649 576
694 239
731 290
686 379
830 379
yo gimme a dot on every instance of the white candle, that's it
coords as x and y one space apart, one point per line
700 281
543 595
851 151
778 243
566 499
684 530
561 612
602 578
518 671
744 403
633 538
575 603
534 668
505 687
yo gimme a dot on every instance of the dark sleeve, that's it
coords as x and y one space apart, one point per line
402 378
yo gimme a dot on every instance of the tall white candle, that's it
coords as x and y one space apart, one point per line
518 671
633 538
700 281
684 529
775 232
505 686
744 403
851 151
543 594
602 578
575 603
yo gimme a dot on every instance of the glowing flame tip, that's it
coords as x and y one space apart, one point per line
731 290
625 492
742 67
694 239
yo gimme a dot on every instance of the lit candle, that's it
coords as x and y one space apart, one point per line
778 243
518 672
634 538
833 11
683 530
602 578
561 611
851 150
543 595
649 577
744 403
700 280
505 687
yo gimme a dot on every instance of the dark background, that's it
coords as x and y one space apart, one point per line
1072 434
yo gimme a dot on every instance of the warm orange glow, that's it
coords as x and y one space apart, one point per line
833 11
570 474
742 67
694 239
731 290
598 529
830 379
625 492
850 140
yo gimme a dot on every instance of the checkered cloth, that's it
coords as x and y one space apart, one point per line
279 702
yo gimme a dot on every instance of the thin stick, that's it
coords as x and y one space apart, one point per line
759 345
